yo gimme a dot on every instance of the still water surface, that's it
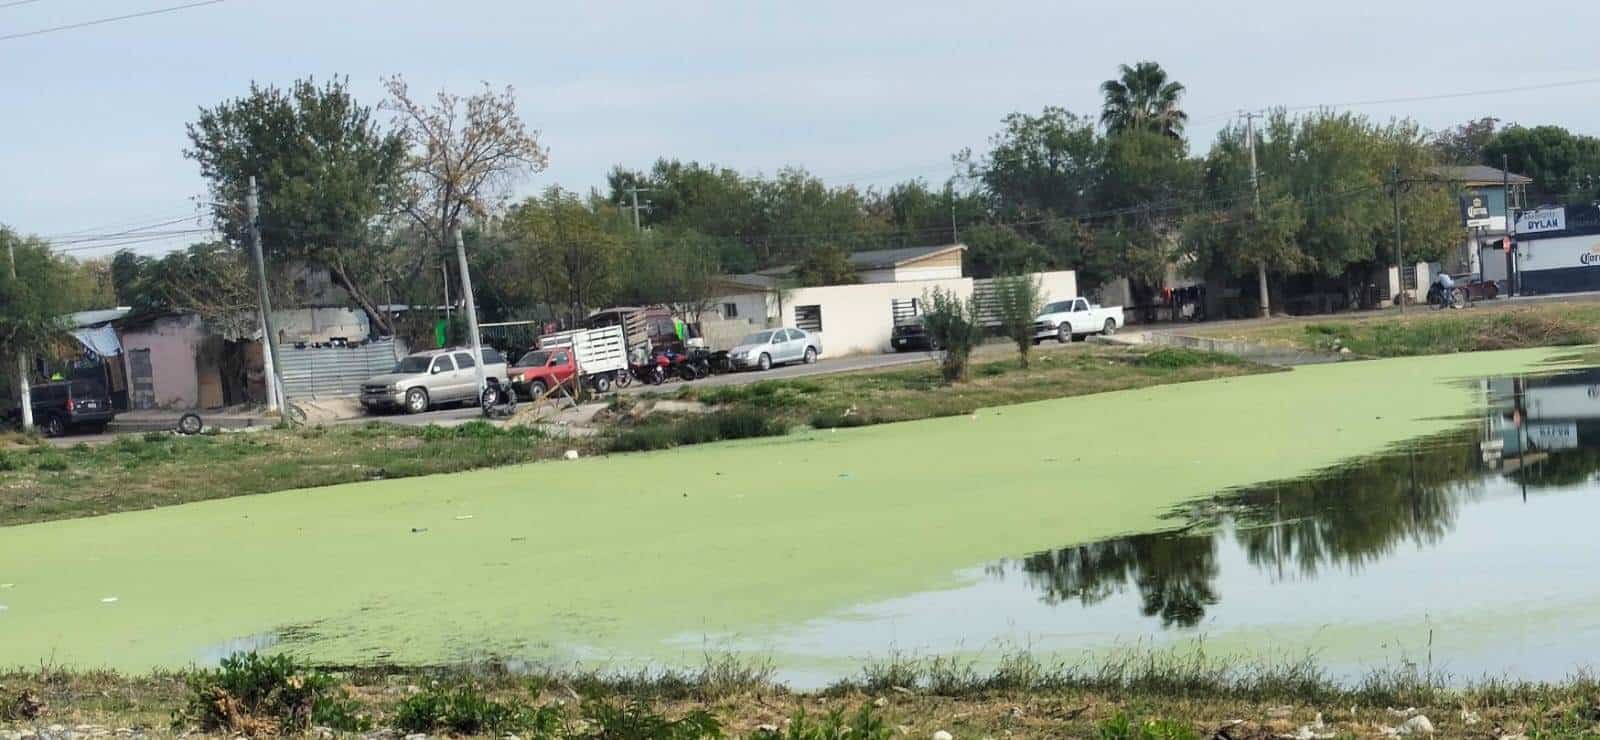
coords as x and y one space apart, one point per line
1474 552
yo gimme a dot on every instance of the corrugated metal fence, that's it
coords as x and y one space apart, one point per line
329 372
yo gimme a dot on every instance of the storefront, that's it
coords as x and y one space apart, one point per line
1558 250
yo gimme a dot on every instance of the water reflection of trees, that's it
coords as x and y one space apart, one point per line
1349 517
1173 572
1562 470
1359 513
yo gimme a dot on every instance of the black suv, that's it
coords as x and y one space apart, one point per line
71 404
911 335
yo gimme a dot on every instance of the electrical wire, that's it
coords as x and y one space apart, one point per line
112 19
15 3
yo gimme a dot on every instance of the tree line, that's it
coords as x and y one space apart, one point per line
374 193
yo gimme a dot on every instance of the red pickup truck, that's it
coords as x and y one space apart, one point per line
542 369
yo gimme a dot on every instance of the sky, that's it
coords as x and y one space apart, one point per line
859 93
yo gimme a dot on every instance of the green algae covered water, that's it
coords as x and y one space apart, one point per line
819 549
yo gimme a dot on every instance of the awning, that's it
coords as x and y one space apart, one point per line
102 341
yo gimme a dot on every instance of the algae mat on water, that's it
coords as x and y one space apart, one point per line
620 555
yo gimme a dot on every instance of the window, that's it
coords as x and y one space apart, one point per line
1080 305
464 360
796 335
730 310
560 358
808 318
442 364
491 356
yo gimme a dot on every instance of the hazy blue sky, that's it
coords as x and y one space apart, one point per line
857 92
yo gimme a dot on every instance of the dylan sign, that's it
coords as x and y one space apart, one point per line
1541 219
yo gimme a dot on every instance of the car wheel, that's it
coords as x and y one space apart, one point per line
624 378
765 363
811 355
537 389
1110 328
1064 333
54 426
602 384
190 424
416 400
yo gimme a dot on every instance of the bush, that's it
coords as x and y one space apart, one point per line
1017 302
466 710
715 427
1173 358
637 721
9 461
1122 728
54 463
863 726
953 324
253 695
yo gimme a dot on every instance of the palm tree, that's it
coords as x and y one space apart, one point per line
1142 98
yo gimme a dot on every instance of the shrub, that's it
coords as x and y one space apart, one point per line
1017 301
864 725
1173 358
9 461
1122 728
637 721
55 463
466 710
952 324
256 695
715 427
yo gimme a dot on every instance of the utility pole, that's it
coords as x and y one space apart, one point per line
252 207
1399 265
471 310
1255 185
955 236
1511 224
634 191
26 397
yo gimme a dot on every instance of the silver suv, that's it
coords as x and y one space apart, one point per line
427 379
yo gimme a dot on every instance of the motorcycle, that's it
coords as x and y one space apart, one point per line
1437 298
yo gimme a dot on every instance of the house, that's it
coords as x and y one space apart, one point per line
1488 195
858 318
1557 250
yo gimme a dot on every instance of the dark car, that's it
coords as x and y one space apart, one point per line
65 405
911 335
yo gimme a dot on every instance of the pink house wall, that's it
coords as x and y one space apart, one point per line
172 344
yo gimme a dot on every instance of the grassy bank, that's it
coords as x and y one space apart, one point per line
1424 331
1153 696
39 482
863 399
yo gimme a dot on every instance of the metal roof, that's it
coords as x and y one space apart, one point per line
879 259
1480 174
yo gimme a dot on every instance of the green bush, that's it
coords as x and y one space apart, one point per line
477 429
9 461
53 463
157 437
637 721
864 725
1121 727
257 695
1174 358
715 427
466 710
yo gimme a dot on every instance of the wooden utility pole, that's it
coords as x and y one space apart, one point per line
26 393
1255 185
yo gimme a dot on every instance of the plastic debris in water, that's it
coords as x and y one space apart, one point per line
7 585
109 600
463 516
571 454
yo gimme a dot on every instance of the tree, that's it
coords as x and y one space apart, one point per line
211 280
561 252
953 326
462 152
1465 144
326 172
32 305
1565 167
827 265
1045 163
1017 301
998 250
1143 99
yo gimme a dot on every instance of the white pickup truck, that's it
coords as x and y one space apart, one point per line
1066 320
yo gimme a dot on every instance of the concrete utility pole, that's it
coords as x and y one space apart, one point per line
22 359
1511 224
634 191
1399 265
471 310
1255 184
252 206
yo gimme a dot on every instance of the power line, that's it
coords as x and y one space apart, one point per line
15 3
112 19
1426 98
